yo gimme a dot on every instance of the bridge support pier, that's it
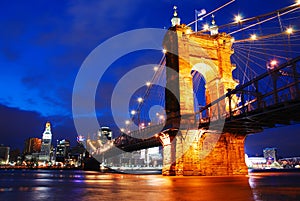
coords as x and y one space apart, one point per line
204 153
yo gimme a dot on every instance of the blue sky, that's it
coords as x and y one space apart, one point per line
43 44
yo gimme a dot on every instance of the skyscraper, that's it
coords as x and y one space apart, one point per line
46 144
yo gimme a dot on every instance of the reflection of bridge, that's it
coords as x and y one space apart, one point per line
231 112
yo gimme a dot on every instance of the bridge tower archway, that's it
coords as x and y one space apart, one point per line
209 55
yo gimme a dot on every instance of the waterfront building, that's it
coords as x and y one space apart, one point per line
62 150
46 144
4 155
32 145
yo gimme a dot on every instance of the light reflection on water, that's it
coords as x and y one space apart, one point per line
79 185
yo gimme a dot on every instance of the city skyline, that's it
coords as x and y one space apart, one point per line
44 45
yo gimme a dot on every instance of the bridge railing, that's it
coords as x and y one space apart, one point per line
276 86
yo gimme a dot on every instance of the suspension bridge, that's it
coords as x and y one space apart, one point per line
221 84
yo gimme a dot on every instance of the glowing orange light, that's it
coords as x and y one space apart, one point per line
289 30
253 37
188 31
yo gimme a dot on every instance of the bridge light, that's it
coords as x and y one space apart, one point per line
127 122
155 68
273 62
298 2
188 31
161 117
253 37
122 130
148 84
232 40
140 99
237 18
133 112
205 27
289 30
164 51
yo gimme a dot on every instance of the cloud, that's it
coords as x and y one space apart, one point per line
17 125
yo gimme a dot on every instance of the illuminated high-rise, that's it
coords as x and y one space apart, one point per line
46 144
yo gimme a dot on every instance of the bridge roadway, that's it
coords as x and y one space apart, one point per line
280 106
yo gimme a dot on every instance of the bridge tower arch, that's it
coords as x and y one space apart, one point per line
210 56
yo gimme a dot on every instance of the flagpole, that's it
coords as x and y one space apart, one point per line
212 12
196 24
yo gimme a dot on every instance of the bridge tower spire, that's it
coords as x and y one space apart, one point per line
208 54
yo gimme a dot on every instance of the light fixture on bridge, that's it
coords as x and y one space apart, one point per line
188 31
205 27
253 37
122 130
148 84
232 39
237 18
161 117
155 68
272 64
133 112
164 51
297 2
289 30
127 122
140 99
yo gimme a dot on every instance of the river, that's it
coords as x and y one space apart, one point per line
73 185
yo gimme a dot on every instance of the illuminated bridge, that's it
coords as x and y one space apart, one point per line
219 87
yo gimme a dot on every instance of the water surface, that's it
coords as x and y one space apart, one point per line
73 185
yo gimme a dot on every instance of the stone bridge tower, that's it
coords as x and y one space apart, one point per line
195 151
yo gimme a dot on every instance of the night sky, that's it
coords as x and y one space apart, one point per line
43 44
